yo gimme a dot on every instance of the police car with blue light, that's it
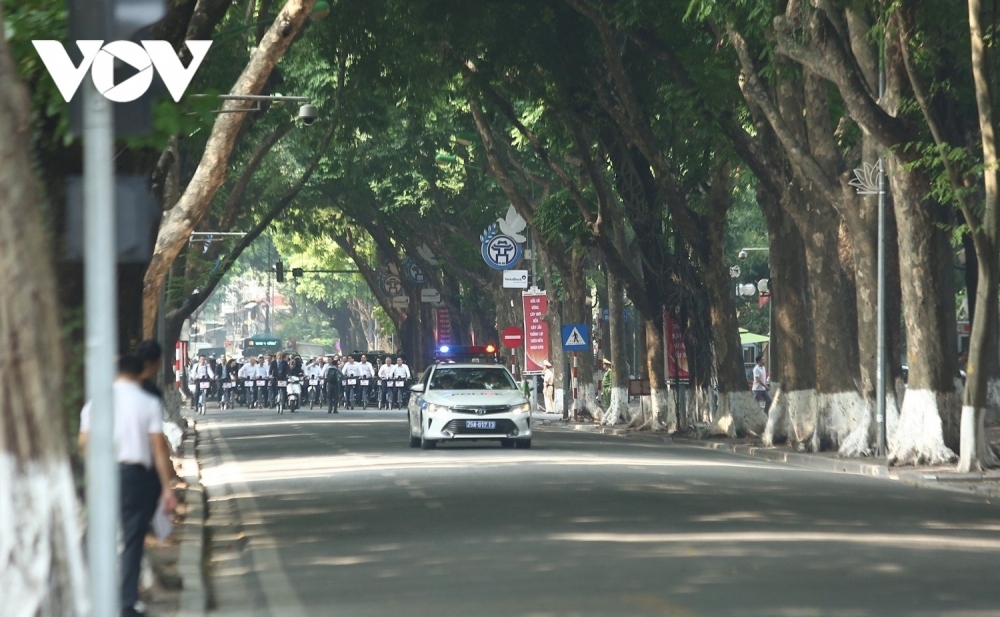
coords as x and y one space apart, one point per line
468 395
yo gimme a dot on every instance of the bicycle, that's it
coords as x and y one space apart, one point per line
202 399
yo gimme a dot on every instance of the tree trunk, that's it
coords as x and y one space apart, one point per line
181 220
576 310
43 571
737 413
618 409
975 452
660 413
927 428
792 361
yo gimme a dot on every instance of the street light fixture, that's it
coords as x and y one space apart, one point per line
307 111
764 287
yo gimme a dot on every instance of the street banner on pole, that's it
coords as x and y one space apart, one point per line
536 331
443 329
673 349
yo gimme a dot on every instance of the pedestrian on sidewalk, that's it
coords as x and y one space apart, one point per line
549 387
144 468
761 391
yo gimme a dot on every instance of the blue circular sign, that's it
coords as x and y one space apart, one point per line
413 272
501 252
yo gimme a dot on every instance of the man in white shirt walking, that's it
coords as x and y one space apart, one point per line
144 468
760 387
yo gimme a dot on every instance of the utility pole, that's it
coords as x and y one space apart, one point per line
270 292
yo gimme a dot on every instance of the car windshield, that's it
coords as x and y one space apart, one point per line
448 378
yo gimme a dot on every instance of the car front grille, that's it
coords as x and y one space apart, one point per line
503 427
487 409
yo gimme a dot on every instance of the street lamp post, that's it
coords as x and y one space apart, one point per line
868 183
764 285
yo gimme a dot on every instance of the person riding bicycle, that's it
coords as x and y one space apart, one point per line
352 373
202 372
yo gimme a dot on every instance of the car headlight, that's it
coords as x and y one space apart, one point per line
522 408
432 408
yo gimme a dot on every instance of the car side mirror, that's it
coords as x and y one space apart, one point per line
417 387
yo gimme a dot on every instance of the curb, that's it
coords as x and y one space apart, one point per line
190 562
965 484
837 465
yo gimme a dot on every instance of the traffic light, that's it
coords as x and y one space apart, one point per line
297 272
279 271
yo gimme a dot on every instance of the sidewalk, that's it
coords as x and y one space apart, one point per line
177 574
943 477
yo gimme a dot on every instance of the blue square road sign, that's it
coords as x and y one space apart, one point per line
576 337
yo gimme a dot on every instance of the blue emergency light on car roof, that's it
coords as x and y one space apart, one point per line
466 350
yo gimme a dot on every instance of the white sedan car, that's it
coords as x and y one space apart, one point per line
453 402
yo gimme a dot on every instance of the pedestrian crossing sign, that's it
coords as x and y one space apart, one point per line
576 337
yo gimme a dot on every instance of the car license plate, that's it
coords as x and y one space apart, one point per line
313 382
480 424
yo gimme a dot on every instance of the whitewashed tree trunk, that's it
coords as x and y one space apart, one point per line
975 452
41 563
618 410
738 414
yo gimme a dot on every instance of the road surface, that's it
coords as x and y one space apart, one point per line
312 514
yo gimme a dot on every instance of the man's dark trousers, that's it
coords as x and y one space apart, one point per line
332 394
140 494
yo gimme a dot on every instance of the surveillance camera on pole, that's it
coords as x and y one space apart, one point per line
742 255
308 114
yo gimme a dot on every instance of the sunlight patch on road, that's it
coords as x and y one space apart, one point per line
907 541
311 467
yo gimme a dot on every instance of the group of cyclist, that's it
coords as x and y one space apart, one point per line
334 381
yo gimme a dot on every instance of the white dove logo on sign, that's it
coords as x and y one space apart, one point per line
502 241
513 225
425 252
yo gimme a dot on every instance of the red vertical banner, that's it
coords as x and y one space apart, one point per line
443 329
673 349
536 331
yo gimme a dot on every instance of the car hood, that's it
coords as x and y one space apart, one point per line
473 398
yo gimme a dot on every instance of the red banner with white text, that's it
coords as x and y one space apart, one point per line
443 326
536 332
674 351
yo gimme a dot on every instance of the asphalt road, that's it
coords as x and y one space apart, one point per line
311 514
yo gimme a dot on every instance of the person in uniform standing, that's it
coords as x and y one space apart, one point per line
549 387
144 468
